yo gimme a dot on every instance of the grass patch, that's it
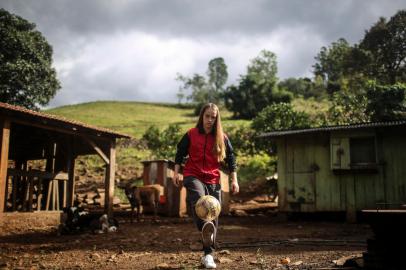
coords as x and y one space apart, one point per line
132 118
311 106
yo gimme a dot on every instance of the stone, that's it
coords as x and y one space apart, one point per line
224 260
162 266
285 261
240 213
225 252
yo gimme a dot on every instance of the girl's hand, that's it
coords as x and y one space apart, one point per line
176 179
235 188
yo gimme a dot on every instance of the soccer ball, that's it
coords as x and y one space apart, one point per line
208 208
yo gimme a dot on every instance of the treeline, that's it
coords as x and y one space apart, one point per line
363 82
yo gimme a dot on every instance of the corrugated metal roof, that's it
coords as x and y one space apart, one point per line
58 119
331 128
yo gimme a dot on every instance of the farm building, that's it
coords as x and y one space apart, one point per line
341 168
28 136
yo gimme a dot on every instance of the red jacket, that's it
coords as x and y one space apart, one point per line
202 162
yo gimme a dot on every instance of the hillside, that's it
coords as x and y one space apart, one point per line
134 118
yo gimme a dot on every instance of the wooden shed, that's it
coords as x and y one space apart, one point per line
28 136
341 168
174 203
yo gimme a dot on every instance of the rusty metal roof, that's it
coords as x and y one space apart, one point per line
280 133
71 124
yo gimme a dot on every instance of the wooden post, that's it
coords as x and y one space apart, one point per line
4 144
145 173
65 185
48 194
15 192
40 193
30 192
160 173
71 173
109 182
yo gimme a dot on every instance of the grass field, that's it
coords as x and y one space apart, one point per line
133 118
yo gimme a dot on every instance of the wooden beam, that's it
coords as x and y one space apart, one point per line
109 182
37 173
65 128
4 147
98 150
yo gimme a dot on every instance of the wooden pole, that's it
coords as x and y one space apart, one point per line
109 182
40 193
4 144
71 172
30 192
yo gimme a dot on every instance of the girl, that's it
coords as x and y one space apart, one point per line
206 147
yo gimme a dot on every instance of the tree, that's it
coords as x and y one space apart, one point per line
386 102
331 63
302 87
217 75
26 74
257 89
263 69
248 98
384 44
201 89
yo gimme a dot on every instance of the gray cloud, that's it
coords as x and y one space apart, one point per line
132 50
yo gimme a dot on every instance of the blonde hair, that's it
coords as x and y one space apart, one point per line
219 148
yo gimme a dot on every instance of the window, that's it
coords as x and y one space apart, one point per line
362 151
353 153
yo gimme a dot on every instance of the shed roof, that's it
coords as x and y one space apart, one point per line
281 133
41 118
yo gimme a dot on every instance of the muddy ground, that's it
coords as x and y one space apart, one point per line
257 241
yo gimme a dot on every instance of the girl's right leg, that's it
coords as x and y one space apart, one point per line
195 189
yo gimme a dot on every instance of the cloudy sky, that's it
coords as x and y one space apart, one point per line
132 50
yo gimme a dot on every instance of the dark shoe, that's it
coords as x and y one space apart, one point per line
208 232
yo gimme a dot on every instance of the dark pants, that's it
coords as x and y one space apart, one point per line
195 189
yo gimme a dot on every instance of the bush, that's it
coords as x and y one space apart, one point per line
256 168
280 116
242 139
163 144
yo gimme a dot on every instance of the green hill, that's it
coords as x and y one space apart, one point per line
133 118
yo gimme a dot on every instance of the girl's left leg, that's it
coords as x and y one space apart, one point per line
215 191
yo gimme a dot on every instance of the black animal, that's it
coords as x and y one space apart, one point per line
78 220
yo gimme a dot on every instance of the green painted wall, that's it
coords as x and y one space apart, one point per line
307 182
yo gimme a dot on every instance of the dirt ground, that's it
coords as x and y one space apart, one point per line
257 241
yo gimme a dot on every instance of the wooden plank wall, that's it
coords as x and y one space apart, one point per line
394 148
348 192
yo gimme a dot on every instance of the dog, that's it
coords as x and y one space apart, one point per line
78 220
144 195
